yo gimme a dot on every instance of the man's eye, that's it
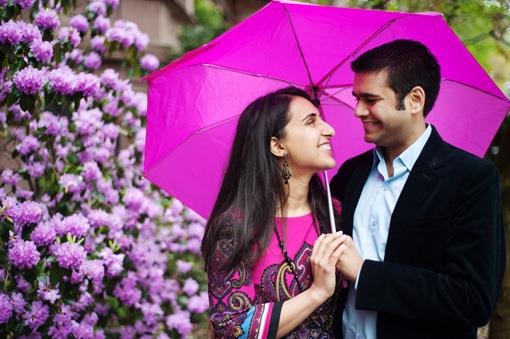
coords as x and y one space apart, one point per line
310 122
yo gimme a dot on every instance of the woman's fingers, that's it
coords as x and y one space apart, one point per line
324 248
335 256
332 249
331 246
316 247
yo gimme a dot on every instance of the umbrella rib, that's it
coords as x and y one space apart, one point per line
332 96
250 74
370 38
300 50
504 98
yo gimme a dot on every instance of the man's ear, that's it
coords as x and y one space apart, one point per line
277 148
417 99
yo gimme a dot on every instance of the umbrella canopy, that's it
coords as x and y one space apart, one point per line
195 101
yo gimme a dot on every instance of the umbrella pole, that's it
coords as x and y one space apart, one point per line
330 203
313 90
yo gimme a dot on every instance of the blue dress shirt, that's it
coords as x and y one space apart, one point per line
371 225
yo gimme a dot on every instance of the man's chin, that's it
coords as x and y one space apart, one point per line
369 139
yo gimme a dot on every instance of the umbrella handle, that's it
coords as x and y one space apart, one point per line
330 204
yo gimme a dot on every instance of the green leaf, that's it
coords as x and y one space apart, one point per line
5 227
27 102
122 312
12 98
56 274
113 302
182 300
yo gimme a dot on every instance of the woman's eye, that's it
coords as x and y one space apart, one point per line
310 122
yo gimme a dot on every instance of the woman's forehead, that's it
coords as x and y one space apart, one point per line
300 108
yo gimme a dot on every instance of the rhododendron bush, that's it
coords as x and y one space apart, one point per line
88 247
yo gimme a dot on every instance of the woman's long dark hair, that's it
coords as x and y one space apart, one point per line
252 186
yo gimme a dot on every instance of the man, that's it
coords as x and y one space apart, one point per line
426 256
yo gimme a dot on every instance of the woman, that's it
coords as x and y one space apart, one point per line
270 273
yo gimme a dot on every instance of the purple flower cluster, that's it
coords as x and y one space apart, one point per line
97 44
25 3
43 234
71 183
113 262
69 34
97 7
70 255
37 316
149 62
18 302
62 80
28 145
47 293
88 84
92 61
29 80
127 291
47 19
42 50
180 321
52 124
23 254
76 225
199 303
112 3
102 24
9 177
80 23
5 308
27 212
190 286
10 33
127 34
15 32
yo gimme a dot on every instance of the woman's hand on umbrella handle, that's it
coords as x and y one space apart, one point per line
325 254
350 261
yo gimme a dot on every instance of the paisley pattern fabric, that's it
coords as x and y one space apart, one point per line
246 302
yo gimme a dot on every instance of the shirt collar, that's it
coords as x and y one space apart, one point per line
410 155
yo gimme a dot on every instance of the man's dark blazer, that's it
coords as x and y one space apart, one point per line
445 253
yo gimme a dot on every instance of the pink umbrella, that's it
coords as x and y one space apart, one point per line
194 102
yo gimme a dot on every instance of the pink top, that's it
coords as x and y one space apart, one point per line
246 302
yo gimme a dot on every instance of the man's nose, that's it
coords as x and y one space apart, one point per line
360 110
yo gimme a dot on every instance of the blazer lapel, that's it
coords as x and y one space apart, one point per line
354 189
418 187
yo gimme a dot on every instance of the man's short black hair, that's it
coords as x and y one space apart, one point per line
409 63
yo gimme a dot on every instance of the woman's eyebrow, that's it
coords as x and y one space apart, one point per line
310 115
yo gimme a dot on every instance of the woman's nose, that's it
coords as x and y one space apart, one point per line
328 130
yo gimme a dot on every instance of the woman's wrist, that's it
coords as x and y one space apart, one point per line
318 295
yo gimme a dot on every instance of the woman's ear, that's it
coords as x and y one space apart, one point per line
276 148
417 99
